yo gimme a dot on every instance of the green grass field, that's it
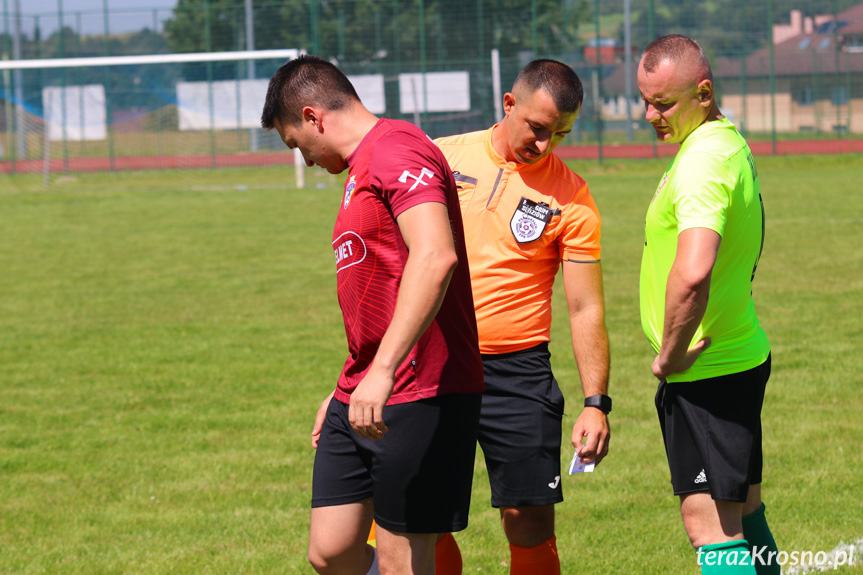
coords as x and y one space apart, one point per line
166 338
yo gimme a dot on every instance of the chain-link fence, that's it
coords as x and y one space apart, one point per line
783 70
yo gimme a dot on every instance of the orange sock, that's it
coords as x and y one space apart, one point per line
372 540
447 557
539 560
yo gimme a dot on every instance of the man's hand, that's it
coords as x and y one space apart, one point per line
319 420
662 369
591 425
366 411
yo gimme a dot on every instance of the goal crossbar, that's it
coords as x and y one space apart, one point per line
82 109
37 64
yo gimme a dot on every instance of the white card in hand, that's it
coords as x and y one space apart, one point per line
576 466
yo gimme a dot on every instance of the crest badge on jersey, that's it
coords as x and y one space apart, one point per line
349 190
529 220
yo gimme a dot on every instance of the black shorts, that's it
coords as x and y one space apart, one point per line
419 475
520 428
712 433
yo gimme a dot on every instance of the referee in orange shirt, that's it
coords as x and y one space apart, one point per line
526 214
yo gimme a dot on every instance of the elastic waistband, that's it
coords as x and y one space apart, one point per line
538 348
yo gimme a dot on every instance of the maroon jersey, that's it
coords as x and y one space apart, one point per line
394 168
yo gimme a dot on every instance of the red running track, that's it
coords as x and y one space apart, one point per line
103 164
588 152
759 148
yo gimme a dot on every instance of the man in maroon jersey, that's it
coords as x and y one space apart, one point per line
396 439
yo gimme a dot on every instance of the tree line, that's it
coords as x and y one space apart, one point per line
375 32
391 35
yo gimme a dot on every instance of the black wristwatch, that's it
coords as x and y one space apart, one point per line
601 402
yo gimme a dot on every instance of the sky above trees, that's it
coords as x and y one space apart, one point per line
50 6
121 21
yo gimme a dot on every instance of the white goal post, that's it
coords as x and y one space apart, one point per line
159 108
98 61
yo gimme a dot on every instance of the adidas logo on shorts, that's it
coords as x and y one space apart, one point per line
702 477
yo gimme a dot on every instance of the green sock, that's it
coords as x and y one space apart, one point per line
764 549
729 558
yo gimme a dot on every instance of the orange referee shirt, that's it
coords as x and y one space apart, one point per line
521 221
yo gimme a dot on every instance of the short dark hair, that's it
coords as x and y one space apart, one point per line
559 80
677 49
304 81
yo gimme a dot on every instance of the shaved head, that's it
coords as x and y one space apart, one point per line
676 85
685 54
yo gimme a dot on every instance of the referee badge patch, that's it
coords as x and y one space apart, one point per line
529 220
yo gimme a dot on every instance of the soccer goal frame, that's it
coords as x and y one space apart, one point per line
11 71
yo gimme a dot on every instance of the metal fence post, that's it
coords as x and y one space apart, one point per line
108 112
250 46
651 33
772 76
208 42
627 58
423 65
18 86
597 91
63 118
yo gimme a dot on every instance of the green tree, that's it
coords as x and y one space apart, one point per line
205 26
365 32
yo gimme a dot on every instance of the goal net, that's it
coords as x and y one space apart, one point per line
163 111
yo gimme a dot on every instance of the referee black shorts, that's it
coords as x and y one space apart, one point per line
419 475
712 432
520 428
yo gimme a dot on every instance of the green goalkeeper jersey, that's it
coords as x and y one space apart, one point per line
712 183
